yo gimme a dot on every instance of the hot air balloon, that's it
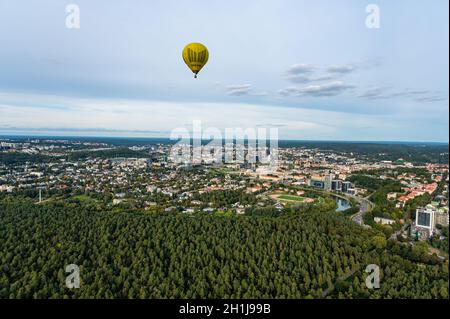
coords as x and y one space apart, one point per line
195 55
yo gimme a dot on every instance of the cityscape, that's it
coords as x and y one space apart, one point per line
399 202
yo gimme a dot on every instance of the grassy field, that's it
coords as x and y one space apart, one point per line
223 213
292 197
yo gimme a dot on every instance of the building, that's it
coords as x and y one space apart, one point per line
383 221
328 182
442 217
391 196
425 221
346 186
317 183
336 185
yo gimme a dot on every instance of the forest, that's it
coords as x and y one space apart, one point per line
417 153
136 255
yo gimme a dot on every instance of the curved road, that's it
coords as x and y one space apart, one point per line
364 206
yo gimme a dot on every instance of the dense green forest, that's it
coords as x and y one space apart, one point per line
21 158
137 255
373 183
418 153
112 153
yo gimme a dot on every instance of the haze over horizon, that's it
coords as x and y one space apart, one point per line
313 70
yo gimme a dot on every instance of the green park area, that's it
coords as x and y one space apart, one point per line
291 198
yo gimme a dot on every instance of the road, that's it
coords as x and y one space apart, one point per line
364 206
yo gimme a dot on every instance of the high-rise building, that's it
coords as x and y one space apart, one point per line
336 185
346 186
327 182
425 219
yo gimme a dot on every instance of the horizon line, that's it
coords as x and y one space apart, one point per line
168 138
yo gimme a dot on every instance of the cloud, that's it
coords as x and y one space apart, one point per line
268 125
431 99
299 79
109 117
291 90
307 73
300 68
341 69
6 128
380 93
243 89
373 93
327 89
238 90
112 117
300 73
307 79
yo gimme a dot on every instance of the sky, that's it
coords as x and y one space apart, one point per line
312 69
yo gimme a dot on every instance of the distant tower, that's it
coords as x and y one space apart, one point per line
40 195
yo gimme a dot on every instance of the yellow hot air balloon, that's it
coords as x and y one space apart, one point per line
195 55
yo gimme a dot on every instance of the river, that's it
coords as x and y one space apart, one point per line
342 204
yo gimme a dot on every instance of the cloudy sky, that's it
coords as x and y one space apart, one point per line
313 69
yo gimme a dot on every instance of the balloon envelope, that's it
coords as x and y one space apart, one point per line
195 55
